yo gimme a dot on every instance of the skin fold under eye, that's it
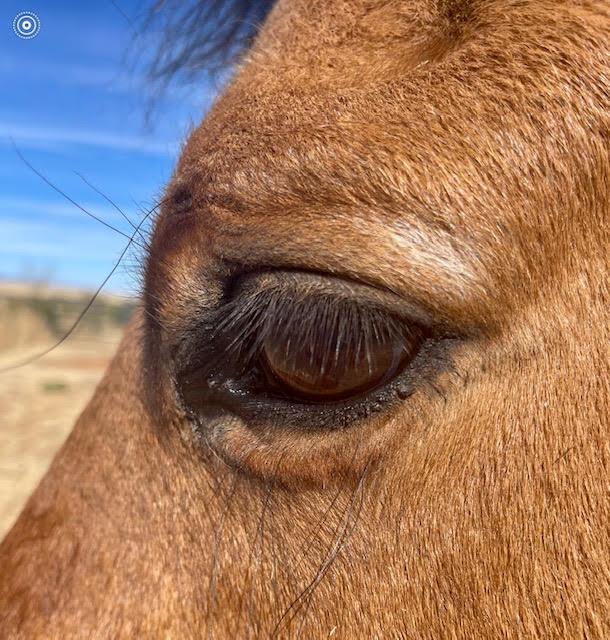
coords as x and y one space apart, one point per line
305 350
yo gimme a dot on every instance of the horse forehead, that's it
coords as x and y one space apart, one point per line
471 101
437 102
447 160
306 26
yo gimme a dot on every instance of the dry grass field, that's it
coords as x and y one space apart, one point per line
39 402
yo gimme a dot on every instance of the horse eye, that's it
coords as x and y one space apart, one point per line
315 371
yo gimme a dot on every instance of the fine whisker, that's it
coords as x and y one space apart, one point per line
113 204
63 194
81 315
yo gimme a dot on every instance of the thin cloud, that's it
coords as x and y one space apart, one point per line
12 206
35 241
64 254
33 69
42 137
114 79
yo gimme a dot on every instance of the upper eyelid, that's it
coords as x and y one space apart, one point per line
359 305
257 308
306 283
289 286
266 313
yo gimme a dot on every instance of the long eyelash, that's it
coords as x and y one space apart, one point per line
241 327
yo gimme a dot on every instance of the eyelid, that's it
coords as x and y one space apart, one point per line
305 283
253 303
292 286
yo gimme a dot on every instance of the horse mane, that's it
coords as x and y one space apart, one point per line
201 35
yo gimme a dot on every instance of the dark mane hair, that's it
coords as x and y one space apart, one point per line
201 35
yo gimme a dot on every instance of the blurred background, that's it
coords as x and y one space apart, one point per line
77 111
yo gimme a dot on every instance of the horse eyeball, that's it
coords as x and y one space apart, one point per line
321 372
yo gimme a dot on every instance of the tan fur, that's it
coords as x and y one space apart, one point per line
455 152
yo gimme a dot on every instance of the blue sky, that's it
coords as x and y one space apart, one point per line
73 103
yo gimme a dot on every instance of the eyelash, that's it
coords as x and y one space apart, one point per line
244 326
231 342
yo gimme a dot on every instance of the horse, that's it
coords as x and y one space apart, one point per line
367 391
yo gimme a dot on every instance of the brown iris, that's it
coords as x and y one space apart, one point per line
322 372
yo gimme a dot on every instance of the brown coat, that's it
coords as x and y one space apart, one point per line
452 157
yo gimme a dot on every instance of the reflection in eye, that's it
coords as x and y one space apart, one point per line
316 373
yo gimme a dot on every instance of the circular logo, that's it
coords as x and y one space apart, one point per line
26 25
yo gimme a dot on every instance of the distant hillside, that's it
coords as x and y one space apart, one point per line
34 314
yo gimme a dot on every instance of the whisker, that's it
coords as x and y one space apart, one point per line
71 200
255 550
112 203
81 315
216 551
345 529
128 19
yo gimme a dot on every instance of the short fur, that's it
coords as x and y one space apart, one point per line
456 153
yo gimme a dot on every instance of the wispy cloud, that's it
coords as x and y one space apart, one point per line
43 137
117 78
40 240
33 69
59 252
17 206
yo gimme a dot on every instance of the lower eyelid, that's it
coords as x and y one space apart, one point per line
262 410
